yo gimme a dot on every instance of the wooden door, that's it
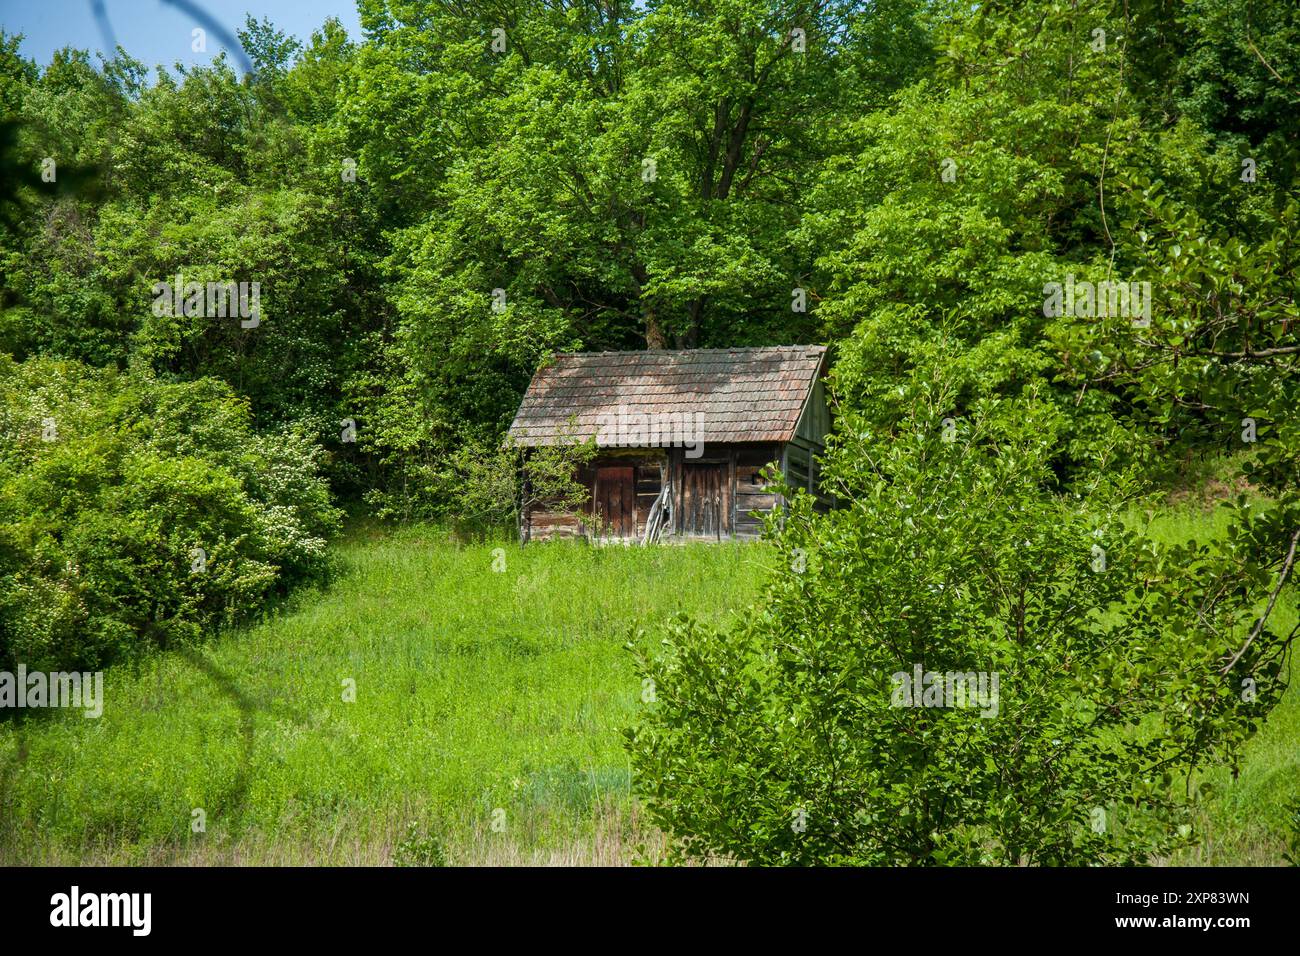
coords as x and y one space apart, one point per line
706 503
615 502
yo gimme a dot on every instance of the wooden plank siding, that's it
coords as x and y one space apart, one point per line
714 497
541 522
800 466
753 496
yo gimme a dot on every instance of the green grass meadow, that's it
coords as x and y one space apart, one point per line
486 727
477 691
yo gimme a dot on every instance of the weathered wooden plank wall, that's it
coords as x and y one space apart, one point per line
718 496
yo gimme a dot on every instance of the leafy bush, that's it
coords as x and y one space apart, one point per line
484 487
1292 853
790 739
135 513
494 484
420 847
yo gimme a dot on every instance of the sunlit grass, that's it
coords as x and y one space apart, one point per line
481 696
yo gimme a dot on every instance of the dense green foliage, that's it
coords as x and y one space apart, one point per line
136 515
785 740
779 741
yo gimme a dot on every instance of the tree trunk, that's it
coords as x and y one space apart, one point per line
654 333
692 337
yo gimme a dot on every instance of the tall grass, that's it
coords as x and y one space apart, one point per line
486 722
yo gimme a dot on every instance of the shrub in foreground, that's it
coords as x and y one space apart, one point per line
958 667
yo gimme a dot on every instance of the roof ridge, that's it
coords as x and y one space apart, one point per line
727 350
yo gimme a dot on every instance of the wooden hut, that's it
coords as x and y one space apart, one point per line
682 437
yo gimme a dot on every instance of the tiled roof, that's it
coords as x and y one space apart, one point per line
743 395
